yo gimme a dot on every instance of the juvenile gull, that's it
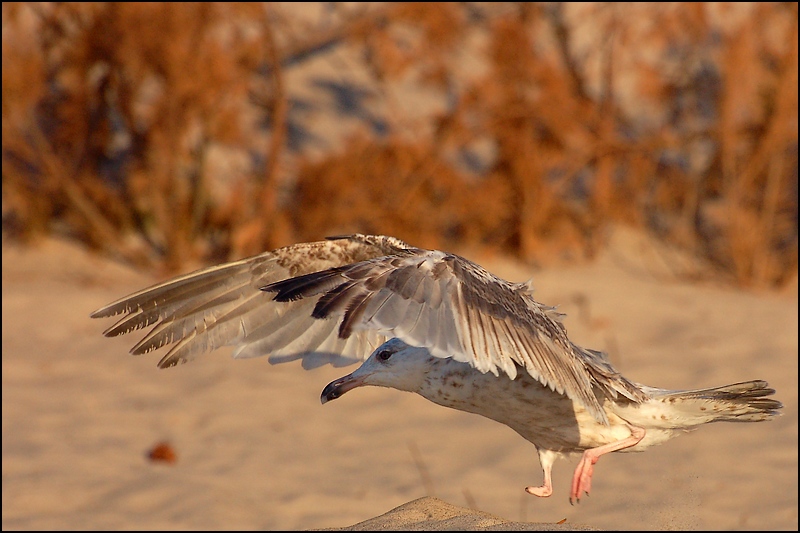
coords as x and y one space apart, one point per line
435 324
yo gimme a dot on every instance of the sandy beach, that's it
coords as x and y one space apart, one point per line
254 449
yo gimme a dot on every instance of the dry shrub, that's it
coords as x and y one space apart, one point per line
553 121
137 93
398 188
713 171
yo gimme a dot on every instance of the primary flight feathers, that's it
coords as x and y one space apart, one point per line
347 295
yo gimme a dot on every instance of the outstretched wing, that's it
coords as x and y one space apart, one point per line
345 296
223 306
455 308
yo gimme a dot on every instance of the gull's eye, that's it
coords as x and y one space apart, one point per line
384 355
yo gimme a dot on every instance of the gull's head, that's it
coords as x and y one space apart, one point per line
393 364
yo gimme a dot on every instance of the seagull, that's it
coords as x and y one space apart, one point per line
432 323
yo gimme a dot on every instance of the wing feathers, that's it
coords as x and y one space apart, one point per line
178 289
349 294
457 309
223 306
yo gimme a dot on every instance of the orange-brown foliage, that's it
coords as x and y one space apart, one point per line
552 122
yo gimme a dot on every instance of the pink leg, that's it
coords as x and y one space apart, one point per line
546 459
582 478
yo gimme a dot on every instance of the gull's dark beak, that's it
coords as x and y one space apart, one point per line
334 389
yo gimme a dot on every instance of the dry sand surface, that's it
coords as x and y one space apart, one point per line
429 513
256 450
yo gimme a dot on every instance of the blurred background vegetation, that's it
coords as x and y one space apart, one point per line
175 134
